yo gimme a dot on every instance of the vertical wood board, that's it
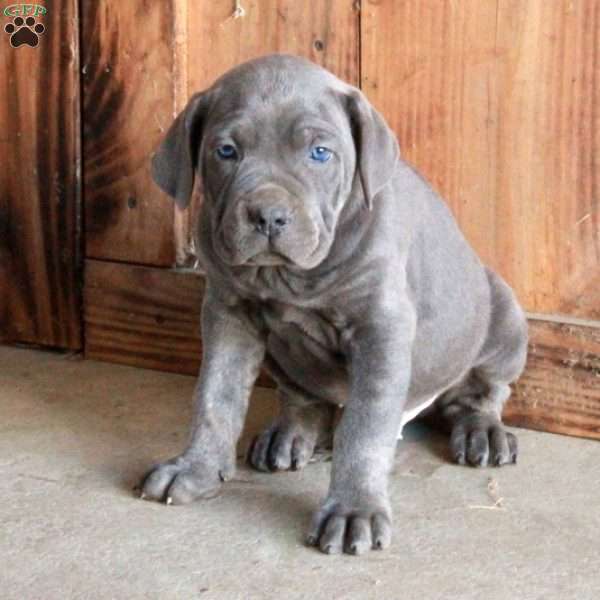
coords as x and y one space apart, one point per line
429 67
40 183
128 104
548 180
498 104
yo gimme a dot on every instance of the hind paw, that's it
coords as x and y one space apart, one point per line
481 441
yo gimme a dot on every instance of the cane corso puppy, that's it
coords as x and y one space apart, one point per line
333 264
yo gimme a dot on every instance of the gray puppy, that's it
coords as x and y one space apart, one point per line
331 262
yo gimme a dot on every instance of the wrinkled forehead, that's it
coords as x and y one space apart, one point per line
280 96
279 116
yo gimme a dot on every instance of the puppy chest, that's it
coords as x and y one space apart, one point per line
305 343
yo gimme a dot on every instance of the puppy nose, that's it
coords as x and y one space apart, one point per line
269 220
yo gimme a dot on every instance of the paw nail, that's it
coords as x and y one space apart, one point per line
169 500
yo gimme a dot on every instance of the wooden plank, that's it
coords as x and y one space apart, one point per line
549 153
127 106
496 102
150 317
143 316
429 67
40 184
560 389
325 31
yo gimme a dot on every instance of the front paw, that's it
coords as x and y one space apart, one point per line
481 439
353 528
182 480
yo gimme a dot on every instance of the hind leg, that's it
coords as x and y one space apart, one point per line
472 410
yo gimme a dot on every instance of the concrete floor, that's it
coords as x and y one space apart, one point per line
77 435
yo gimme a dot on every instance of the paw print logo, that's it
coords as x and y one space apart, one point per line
24 31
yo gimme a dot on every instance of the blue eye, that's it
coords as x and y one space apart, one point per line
320 154
227 152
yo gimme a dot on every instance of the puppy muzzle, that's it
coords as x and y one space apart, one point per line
269 226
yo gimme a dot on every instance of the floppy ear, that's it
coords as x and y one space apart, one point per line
377 151
173 163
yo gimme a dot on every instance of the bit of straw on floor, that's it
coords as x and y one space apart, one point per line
494 494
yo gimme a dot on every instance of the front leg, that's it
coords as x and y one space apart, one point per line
356 514
231 359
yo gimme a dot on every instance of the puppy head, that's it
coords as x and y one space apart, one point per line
278 142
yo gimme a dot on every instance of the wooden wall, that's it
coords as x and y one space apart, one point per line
497 102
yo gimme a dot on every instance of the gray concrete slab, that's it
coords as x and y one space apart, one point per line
76 436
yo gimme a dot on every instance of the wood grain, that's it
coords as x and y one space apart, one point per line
128 104
560 389
143 316
429 67
549 153
498 104
325 31
40 185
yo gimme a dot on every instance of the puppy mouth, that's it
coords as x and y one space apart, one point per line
240 245
268 258
272 255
